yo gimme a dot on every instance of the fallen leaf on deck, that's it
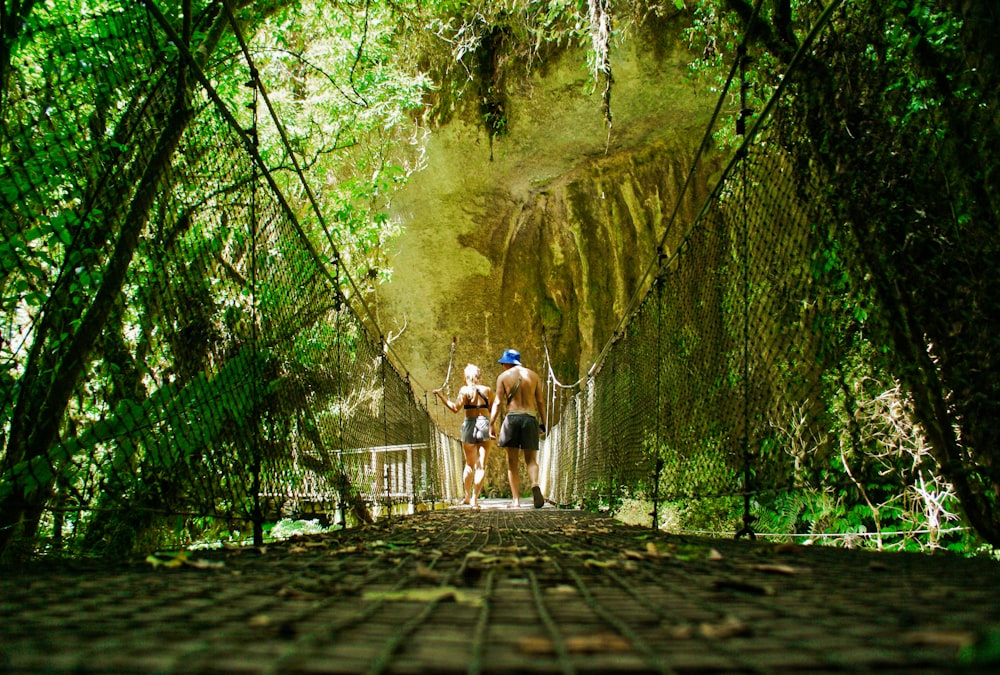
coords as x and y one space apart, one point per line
532 559
290 592
727 628
679 632
494 548
600 643
535 645
167 559
439 594
604 564
202 564
562 589
773 569
425 572
939 638
181 558
652 552
689 552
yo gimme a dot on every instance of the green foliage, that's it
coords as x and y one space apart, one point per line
347 97
286 528
132 348
984 652
165 388
721 516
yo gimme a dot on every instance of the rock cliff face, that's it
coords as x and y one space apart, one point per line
555 232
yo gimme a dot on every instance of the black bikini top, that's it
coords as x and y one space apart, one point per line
471 406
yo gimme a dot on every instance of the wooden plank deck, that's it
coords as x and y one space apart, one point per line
506 590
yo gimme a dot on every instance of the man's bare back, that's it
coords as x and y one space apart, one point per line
527 396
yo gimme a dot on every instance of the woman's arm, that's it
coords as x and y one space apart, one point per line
457 405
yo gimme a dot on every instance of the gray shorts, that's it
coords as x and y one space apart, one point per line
476 429
519 430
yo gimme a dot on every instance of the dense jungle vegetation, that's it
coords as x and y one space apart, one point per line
90 338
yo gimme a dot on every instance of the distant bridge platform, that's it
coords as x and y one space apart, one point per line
505 590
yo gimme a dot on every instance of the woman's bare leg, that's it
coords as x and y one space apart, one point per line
480 472
469 472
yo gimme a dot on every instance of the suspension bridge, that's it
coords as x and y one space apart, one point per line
187 358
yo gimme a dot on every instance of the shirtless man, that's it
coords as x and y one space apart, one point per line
521 390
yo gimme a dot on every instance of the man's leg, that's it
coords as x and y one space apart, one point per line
531 464
513 457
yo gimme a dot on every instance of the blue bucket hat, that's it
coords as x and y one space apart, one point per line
511 357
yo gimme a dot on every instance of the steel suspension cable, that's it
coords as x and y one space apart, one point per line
747 529
663 259
374 329
323 265
257 518
451 357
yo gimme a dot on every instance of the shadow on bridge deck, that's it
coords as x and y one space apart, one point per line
503 590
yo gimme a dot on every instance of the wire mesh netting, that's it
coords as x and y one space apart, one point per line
180 361
763 382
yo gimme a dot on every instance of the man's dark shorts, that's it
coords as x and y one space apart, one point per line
519 430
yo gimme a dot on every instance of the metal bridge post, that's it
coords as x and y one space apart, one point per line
747 529
257 514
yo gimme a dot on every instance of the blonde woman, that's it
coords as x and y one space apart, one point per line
474 400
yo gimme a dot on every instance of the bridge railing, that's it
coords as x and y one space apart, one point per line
181 360
784 370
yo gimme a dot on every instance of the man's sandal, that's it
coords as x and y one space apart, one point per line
536 495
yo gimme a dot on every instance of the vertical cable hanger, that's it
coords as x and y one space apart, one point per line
747 529
252 141
447 378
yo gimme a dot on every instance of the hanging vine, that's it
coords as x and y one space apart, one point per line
600 34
